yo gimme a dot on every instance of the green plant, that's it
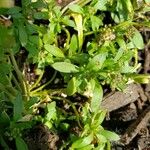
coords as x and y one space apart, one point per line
88 44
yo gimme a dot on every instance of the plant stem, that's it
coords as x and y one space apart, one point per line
68 37
72 105
16 82
20 76
43 86
37 81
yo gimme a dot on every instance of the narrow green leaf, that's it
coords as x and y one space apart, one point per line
73 45
97 62
97 97
76 8
25 3
119 54
110 135
65 67
88 147
67 21
3 143
71 88
23 37
101 4
4 119
40 15
96 23
54 50
85 141
51 109
20 144
143 79
137 40
101 137
78 20
18 107
99 118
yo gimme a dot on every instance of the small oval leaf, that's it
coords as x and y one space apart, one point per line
20 144
85 141
110 135
71 88
54 50
137 40
65 67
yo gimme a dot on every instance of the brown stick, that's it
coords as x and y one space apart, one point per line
135 128
119 99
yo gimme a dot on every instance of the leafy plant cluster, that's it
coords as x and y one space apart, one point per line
86 46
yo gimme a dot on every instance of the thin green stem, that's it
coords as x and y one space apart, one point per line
37 81
16 82
50 92
19 75
43 86
68 37
90 33
73 107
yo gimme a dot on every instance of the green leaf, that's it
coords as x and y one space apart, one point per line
97 62
65 67
88 147
6 36
51 109
141 78
73 45
23 37
101 146
97 96
14 10
71 88
101 4
4 119
41 15
101 137
128 6
78 20
110 135
96 22
67 21
32 49
82 142
99 118
124 11
3 143
147 1
31 102
54 50
119 54
5 68
76 8
137 40
18 107
25 3
20 144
